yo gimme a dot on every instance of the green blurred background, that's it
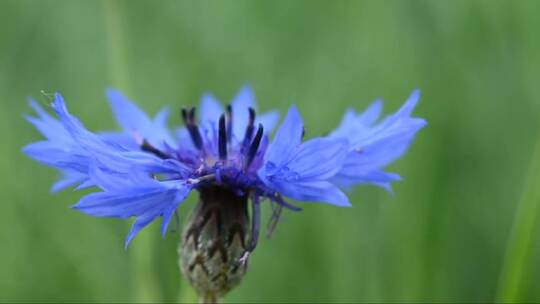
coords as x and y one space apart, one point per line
460 227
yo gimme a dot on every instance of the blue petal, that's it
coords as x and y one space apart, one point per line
287 139
47 125
86 184
269 120
211 109
167 216
162 117
110 156
184 140
319 158
68 179
125 162
313 191
137 195
122 139
126 204
59 151
397 124
358 169
59 156
136 123
375 145
371 114
138 225
128 115
78 148
75 128
354 124
244 99
303 171
307 176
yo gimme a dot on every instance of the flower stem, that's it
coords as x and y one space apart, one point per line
208 300
145 284
514 268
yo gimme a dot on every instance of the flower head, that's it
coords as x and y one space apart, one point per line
146 170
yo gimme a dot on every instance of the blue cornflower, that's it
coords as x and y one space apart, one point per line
147 170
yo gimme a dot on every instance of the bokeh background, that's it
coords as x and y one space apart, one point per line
461 226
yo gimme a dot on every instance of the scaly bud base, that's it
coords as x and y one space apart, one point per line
214 241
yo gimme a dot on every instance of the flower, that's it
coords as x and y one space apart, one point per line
146 170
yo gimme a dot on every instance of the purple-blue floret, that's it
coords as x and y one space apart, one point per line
146 170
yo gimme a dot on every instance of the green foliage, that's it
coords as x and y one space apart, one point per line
443 236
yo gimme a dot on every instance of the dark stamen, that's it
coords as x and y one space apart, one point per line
176 221
222 140
249 130
195 136
147 147
255 225
229 122
251 116
279 200
274 219
189 121
254 147
277 207
192 115
184 116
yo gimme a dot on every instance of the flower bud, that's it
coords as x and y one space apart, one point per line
213 242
